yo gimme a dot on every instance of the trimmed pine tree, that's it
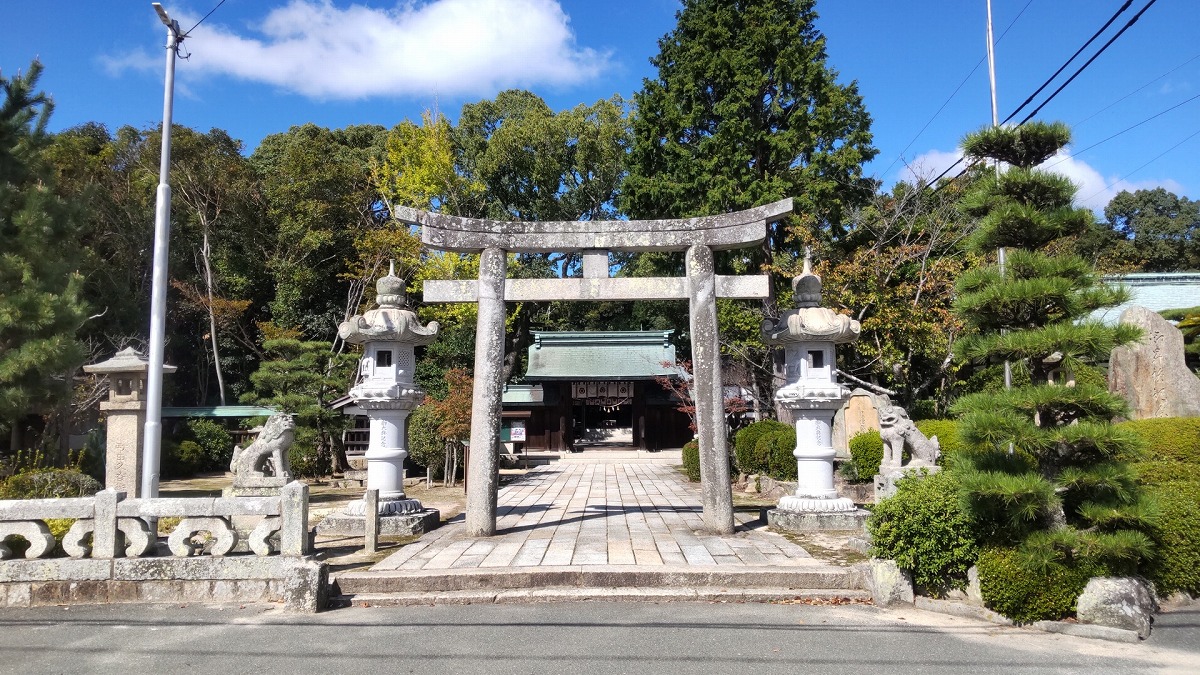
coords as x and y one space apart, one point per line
1042 471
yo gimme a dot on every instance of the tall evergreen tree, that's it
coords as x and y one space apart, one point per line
1043 470
40 290
746 111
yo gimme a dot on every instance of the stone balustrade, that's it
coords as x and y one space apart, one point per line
110 526
113 553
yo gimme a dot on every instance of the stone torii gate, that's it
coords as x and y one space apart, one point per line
701 287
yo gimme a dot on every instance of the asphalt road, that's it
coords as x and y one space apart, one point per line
564 638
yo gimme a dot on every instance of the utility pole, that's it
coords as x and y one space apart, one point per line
152 445
991 53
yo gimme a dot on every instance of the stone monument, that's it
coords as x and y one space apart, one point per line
126 418
261 469
809 335
1151 374
386 392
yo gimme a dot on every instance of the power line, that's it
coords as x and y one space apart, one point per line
956 90
1066 63
1148 163
1089 61
1080 122
1129 128
210 12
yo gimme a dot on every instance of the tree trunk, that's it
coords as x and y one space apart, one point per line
205 254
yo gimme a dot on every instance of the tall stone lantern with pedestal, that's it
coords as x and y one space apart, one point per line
125 426
387 394
809 335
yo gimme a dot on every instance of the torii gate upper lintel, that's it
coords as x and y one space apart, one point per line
701 286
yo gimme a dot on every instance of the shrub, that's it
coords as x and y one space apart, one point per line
866 453
1168 438
181 460
924 529
780 447
1176 535
214 440
746 446
947 435
49 483
1010 587
691 460
305 458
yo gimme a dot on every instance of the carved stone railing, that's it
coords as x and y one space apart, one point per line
109 526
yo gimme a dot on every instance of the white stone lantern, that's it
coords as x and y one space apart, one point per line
386 391
812 393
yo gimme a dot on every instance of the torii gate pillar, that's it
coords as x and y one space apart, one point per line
699 237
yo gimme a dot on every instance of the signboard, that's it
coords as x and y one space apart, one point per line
518 430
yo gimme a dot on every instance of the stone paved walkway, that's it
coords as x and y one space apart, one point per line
604 512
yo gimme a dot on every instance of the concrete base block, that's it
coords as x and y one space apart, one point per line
793 521
401 525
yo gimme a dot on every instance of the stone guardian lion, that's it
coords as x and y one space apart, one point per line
268 450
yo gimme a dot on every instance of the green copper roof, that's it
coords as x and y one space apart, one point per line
219 411
615 355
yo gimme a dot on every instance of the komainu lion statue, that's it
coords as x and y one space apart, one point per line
899 433
271 446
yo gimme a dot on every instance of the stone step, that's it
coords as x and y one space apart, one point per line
623 594
814 576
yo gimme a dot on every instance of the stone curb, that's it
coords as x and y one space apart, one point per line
626 594
598 576
1084 630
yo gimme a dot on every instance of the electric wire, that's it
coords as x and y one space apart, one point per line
210 13
1146 164
1129 128
956 90
1066 63
1089 117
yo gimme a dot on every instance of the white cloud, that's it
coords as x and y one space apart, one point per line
1095 191
925 167
313 48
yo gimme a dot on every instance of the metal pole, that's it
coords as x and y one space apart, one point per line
991 54
152 445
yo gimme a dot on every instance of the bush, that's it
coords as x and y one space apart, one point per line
214 441
925 530
49 483
1176 536
1168 438
305 458
181 460
691 460
947 435
746 447
779 447
866 453
1010 587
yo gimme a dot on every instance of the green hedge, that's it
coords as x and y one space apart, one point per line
750 457
1169 438
691 460
779 448
214 440
924 529
49 483
947 435
866 453
1176 535
1026 595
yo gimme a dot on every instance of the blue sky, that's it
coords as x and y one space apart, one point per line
260 66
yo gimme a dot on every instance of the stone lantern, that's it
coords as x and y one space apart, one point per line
387 394
125 427
809 334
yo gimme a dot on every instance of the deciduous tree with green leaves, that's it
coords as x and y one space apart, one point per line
1041 470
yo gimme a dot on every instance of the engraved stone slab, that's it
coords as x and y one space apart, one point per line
1151 374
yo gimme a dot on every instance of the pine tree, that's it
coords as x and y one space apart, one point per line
1043 471
41 305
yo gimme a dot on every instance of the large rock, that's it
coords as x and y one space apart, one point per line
1151 374
1117 602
